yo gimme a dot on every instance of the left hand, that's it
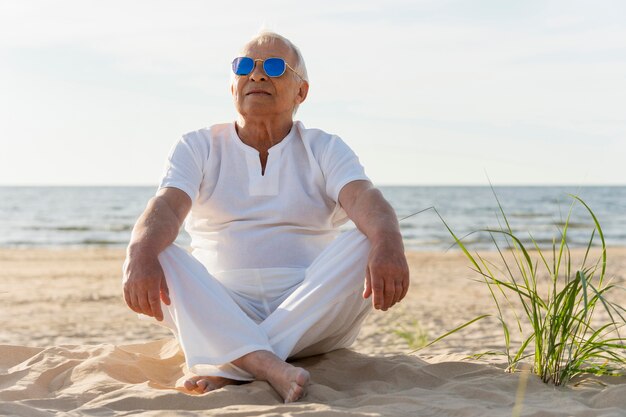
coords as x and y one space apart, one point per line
387 275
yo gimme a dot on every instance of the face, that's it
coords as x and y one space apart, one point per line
256 94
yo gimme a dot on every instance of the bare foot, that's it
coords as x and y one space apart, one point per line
201 384
289 381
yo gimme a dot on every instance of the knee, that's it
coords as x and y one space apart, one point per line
172 253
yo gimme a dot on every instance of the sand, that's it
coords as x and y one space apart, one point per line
69 346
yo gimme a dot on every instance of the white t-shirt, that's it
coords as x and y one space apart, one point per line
241 219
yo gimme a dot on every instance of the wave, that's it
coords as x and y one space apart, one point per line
99 228
104 216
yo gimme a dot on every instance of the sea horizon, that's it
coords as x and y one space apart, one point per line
487 185
34 216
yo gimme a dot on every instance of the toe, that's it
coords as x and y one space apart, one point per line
295 393
190 384
203 384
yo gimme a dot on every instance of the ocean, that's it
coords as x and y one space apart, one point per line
53 217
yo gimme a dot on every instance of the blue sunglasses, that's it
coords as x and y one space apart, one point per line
273 67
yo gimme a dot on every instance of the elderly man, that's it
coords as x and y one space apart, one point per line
268 278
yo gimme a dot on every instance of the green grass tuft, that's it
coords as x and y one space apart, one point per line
415 336
567 326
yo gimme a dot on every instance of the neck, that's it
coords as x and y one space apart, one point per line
262 133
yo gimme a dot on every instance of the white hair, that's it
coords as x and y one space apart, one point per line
266 37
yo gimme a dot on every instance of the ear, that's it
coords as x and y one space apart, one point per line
303 91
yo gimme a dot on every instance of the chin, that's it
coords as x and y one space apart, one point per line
257 111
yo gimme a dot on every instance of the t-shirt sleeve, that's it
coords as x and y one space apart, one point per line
184 168
340 166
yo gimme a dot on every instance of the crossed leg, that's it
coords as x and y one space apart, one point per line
324 313
201 384
289 381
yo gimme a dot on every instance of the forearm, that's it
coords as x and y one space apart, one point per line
387 275
155 229
375 217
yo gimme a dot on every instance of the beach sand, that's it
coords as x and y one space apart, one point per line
69 346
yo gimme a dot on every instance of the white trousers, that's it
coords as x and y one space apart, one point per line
291 312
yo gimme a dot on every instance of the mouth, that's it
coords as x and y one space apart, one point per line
258 93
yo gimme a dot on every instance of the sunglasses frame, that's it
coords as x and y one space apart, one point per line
264 70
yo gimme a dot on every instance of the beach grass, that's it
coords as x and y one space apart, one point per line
413 334
563 322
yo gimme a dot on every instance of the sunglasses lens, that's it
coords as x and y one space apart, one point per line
274 67
243 65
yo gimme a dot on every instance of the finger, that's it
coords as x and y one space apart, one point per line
388 295
136 304
128 299
126 290
129 293
378 288
165 292
398 293
155 304
136 307
368 285
405 287
144 305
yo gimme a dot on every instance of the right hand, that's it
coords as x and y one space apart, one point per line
145 285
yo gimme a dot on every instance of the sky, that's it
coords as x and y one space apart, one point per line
427 92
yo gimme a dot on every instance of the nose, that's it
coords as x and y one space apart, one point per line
258 73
